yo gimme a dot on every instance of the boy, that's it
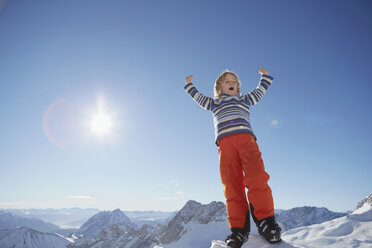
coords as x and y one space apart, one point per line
241 165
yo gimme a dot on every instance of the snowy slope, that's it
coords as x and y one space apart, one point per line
367 200
24 237
200 235
354 230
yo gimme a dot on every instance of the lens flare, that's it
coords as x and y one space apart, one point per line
47 119
274 123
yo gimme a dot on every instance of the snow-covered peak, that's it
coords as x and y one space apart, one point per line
117 214
101 220
25 237
364 210
367 200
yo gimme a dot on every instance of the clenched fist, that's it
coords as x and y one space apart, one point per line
263 71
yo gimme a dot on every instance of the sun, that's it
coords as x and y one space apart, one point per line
101 124
100 121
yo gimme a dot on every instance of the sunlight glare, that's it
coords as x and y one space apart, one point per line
101 124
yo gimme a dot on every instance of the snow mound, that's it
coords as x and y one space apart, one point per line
254 241
354 230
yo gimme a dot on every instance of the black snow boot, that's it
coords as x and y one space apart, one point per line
239 236
269 229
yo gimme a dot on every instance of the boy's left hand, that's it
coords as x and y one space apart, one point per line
263 71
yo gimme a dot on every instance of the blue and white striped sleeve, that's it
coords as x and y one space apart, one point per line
204 101
255 95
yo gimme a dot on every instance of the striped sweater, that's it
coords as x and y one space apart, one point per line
231 113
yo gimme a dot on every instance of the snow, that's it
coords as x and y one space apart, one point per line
364 208
254 241
354 230
200 235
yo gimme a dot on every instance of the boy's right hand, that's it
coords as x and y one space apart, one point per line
189 79
263 71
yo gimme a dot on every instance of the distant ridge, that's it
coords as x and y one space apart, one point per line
11 221
305 216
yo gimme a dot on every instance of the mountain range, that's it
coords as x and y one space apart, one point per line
195 225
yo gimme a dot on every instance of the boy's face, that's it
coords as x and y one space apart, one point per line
229 85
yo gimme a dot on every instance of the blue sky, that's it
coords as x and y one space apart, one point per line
60 61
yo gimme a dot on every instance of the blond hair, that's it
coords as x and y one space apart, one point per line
221 79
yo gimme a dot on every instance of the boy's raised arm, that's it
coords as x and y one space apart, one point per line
256 95
204 101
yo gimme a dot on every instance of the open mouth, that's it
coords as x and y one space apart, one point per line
231 88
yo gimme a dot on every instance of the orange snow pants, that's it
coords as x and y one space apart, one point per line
241 166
